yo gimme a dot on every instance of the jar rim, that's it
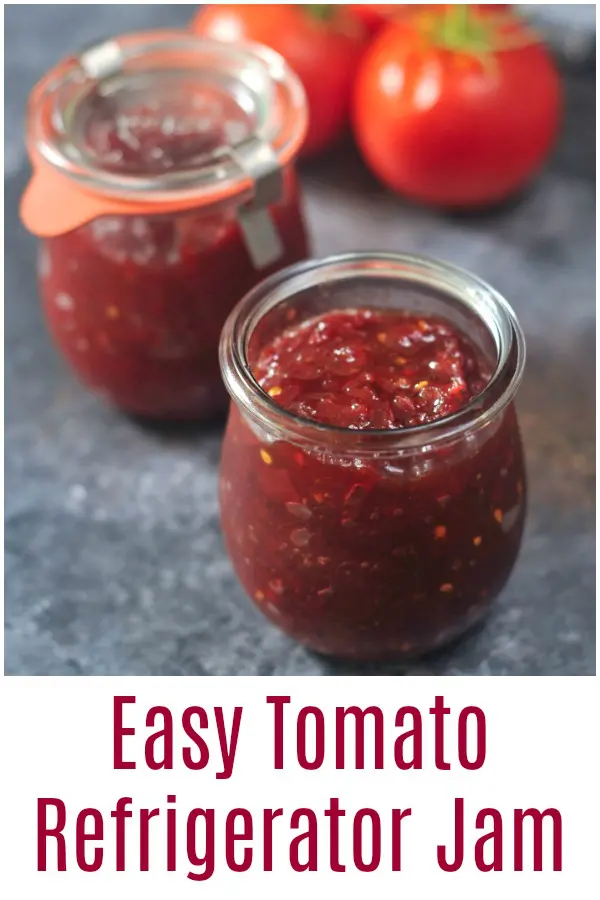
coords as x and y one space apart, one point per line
280 114
479 297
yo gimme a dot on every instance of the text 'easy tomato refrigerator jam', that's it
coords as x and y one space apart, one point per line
163 189
372 481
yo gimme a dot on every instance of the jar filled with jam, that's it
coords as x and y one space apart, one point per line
163 190
372 484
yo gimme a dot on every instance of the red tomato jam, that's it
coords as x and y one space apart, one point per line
373 555
371 369
136 304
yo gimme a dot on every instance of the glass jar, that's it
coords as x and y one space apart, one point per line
163 189
373 544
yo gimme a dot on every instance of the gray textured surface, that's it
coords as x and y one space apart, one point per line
114 562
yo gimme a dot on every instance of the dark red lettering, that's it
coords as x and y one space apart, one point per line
171 835
231 836
188 759
44 831
359 735
459 840
119 732
228 752
319 755
537 818
268 816
415 735
278 703
334 813
120 813
208 860
463 719
397 816
357 840
164 736
495 836
438 711
145 816
82 835
310 836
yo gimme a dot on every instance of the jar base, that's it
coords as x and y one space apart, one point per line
445 644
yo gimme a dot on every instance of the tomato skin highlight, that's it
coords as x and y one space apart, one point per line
323 45
450 129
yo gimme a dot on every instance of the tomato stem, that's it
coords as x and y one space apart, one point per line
460 28
322 11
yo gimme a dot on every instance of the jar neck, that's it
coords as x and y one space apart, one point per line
403 282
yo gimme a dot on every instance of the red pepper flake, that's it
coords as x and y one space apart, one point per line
446 588
259 596
319 497
422 325
275 391
323 560
113 312
381 337
477 540
498 515
420 385
401 360
266 457
440 532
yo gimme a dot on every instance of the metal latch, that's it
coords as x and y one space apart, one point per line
263 241
102 60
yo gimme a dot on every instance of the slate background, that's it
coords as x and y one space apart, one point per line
114 561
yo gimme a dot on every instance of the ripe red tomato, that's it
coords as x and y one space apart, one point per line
451 128
322 43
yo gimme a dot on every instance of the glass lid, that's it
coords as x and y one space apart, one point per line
167 111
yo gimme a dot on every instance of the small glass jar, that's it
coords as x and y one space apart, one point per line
373 544
163 189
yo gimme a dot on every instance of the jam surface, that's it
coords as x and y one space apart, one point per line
372 555
136 303
371 369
